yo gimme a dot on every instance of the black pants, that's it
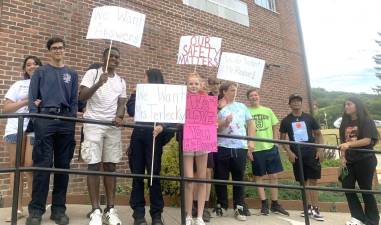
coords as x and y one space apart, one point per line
54 146
362 172
139 157
228 161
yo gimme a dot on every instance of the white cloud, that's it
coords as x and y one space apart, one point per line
339 37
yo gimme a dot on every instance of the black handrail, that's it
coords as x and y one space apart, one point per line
302 187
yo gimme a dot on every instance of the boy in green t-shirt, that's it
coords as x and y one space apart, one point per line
266 156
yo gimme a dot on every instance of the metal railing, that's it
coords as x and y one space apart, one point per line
302 187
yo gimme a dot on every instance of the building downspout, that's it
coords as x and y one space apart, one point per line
305 66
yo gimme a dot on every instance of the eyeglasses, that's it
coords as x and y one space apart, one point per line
59 48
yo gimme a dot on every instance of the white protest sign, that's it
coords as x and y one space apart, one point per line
116 23
160 103
240 68
199 50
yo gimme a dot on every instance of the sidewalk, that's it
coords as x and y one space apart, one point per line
77 214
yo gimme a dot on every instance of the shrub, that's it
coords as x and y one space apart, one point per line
170 167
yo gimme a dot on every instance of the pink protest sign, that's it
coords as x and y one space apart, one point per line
200 128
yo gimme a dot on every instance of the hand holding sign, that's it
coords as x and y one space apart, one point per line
102 79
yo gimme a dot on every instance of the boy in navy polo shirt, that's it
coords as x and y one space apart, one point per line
55 86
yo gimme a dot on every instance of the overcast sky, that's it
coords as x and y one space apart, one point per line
339 37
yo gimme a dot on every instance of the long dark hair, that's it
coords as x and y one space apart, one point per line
362 117
35 59
155 76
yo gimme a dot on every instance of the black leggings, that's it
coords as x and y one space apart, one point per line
362 172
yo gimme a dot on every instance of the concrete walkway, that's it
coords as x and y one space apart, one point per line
77 215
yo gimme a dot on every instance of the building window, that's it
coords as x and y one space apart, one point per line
233 10
268 4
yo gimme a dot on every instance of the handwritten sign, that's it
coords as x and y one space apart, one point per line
116 23
240 68
200 129
160 103
199 50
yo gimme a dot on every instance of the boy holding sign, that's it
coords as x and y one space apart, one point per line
106 95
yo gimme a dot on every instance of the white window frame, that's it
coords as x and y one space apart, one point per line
267 4
239 7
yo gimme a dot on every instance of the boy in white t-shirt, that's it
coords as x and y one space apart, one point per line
106 97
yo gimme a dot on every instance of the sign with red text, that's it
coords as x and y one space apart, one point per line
241 68
116 23
160 103
200 128
199 50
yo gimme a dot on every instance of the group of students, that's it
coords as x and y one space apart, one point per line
53 89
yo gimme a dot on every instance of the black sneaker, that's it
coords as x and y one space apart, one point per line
219 211
140 221
206 215
157 221
265 208
278 209
33 220
316 214
60 218
309 211
246 210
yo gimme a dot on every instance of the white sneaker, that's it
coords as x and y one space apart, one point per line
111 217
354 221
198 221
188 220
239 214
96 217
316 214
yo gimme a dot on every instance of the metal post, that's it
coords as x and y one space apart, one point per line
301 179
182 192
16 183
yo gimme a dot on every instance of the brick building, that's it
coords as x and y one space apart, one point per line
265 29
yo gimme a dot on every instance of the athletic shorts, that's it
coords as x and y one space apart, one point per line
101 144
311 167
266 162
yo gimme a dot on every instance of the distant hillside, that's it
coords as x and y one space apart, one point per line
331 103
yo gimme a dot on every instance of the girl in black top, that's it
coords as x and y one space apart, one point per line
140 156
358 131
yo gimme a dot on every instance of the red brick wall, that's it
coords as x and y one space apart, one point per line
27 24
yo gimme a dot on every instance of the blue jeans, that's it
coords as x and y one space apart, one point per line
54 145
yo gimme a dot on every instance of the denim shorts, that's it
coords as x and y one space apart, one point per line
11 138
